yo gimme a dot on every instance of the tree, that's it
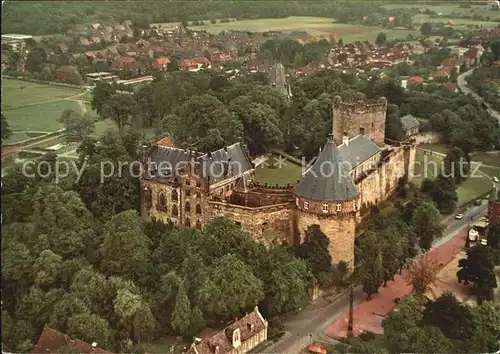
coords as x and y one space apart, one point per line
456 165
47 269
381 39
101 94
426 222
34 61
494 236
478 269
422 275
6 132
442 191
486 317
371 264
450 315
426 29
314 250
125 247
90 328
230 287
122 109
181 317
77 126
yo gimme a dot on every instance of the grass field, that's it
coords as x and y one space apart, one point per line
492 158
287 173
430 166
17 93
314 26
34 107
39 117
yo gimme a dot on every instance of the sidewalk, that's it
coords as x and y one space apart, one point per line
368 315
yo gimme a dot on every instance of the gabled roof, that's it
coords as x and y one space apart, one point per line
52 341
358 150
222 342
409 122
328 178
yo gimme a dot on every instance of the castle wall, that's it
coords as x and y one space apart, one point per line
383 181
337 221
258 197
353 116
268 225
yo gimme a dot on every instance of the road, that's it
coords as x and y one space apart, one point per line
462 84
312 322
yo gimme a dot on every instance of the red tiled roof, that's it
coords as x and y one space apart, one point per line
416 79
471 53
166 142
450 86
440 73
52 341
162 61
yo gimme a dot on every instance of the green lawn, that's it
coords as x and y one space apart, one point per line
430 166
491 171
40 117
314 26
486 158
17 93
287 173
448 9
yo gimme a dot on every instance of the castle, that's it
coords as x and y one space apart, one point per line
354 170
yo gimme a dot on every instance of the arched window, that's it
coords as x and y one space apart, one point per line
198 224
187 223
162 201
187 207
175 212
175 197
198 209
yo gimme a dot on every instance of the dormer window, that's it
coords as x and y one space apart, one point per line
339 207
325 207
306 205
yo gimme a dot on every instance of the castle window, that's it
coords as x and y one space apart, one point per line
198 209
306 205
188 192
227 188
187 207
162 201
198 184
175 196
187 223
198 224
198 195
175 212
188 182
297 201
339 207
372 125
325 207
362 131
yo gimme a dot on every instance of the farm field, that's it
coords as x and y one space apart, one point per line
314 26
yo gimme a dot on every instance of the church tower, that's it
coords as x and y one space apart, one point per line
277 80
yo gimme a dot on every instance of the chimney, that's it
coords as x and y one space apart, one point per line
345 140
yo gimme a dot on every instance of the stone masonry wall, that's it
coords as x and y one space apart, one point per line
382 182
268 225
350 117
341 231
428 138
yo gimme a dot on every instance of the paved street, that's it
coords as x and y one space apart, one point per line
314 320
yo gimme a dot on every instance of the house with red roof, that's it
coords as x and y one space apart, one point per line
415 80
450 86
54 342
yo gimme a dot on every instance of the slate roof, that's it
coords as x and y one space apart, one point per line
358 150
222 342
409 122
328 178
232 159
52 341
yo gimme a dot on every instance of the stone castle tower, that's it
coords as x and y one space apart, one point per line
326 196
359 117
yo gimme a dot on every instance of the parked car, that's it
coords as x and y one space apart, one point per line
477 202
495 179
459 216
484 242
